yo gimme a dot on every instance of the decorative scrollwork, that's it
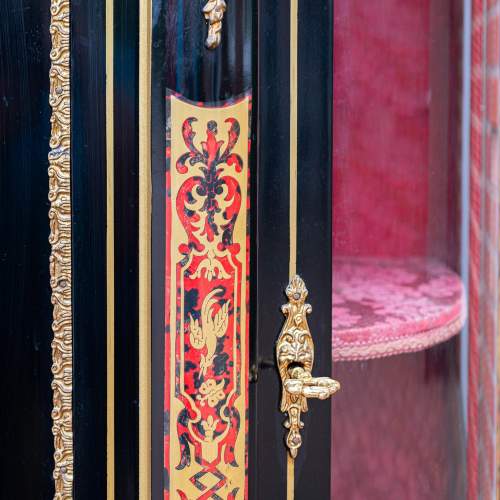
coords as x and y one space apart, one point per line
295 356
214 14
207 322
60 240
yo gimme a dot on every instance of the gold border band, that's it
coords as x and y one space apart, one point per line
110 256
145 250
60 240
294 13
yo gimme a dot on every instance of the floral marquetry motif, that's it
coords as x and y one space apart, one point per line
206 299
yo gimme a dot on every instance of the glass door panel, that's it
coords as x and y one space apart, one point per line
400 252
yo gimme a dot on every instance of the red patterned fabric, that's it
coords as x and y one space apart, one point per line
484 247
381 127
383 307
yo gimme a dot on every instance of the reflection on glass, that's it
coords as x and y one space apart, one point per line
399 301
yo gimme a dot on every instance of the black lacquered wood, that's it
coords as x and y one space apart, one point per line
187 66
26 440
314 230
88 164
126 227
268 464
158 471
267 467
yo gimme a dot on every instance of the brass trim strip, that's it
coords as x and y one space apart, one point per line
110 255
145 250
290 476
59 172
294 14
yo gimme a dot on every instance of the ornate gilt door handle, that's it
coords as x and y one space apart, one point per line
295 357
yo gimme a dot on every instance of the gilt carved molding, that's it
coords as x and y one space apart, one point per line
60 239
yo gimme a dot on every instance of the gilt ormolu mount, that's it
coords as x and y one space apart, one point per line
295 356
214 14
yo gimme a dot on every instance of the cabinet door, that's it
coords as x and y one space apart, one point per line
238 161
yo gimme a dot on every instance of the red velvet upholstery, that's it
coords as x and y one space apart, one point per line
383 307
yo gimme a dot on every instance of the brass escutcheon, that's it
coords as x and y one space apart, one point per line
295 357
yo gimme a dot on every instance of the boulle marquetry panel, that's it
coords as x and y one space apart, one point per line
206 312
198 446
